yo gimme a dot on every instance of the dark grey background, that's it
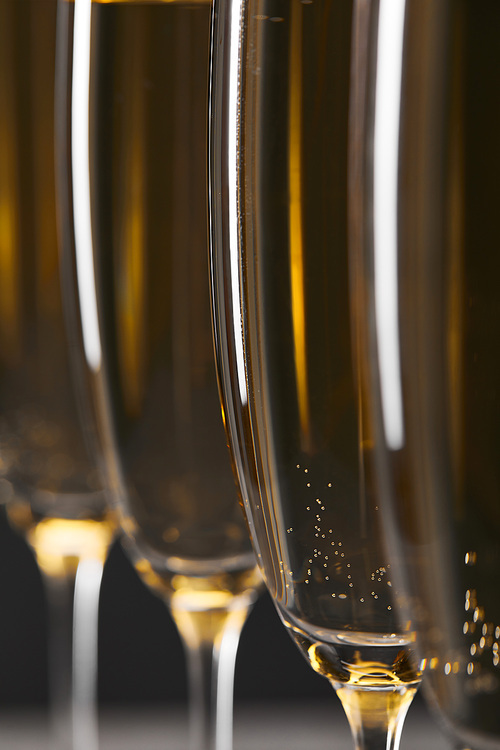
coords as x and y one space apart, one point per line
141 659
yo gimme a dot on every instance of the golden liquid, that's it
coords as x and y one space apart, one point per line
319 511
60 544
45 470
448 500
306 458
149 99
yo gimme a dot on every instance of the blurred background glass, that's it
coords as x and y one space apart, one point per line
49 486
442 472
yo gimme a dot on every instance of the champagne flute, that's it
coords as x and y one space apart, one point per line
48 484
440 478
291 85
139 181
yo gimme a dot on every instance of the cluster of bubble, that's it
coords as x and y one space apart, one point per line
485 635
332 556
483 638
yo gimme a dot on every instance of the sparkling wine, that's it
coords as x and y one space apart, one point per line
45 469
148 170
447 470
302 439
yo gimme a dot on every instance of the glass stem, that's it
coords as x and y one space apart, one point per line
211 642
376 716
72 603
